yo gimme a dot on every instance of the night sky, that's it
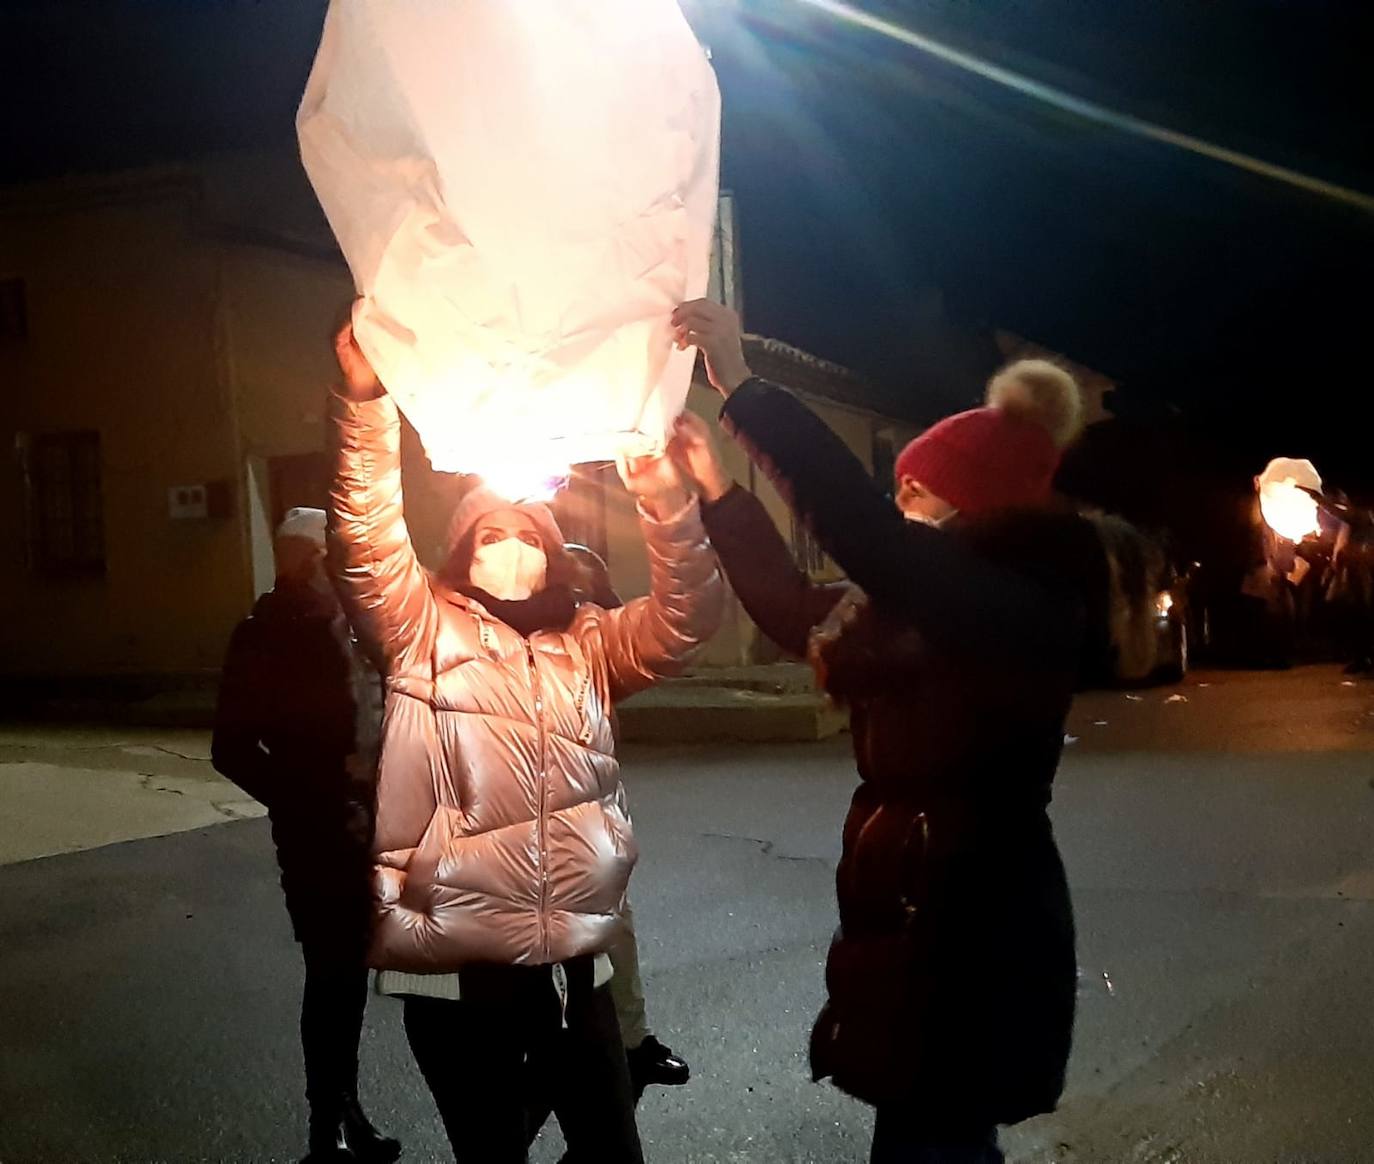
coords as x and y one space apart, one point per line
867 171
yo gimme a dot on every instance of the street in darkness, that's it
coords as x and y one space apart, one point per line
1217 845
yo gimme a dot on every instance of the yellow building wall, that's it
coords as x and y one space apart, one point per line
199 360
283 311
122 339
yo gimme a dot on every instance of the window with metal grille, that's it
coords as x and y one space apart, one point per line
67 527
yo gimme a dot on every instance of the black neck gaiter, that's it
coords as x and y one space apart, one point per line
550 609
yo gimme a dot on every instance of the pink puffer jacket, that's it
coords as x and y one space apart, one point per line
502 834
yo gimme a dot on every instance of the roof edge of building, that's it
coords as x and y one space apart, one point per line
103 188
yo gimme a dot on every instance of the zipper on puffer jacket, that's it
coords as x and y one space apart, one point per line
543 824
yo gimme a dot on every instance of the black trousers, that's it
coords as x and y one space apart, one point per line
503 1050
900 1138
326 873
332 1008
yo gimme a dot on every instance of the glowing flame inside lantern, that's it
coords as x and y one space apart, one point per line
1288 511
526 478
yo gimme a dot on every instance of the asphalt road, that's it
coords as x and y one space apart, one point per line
1219 850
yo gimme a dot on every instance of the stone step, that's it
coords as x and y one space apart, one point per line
771 678
765 704
674 714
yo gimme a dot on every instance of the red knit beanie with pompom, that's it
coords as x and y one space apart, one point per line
1005 454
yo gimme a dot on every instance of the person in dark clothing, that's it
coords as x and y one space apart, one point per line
296 728
1349 586
1286 572
592 577
952 977
651 1061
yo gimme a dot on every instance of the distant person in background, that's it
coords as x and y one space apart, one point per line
297 728
1350 588
592 578
650 1061
1286 577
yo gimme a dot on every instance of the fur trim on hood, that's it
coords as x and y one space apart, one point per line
1136 564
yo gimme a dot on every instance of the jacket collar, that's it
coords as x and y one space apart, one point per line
476 606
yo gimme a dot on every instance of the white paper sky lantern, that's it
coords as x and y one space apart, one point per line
1286 509
524 190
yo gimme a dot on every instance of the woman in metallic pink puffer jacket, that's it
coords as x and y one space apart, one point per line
503 847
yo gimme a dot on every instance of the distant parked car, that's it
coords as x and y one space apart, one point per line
1158 620
1181 623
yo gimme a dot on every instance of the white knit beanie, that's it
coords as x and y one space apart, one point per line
304 523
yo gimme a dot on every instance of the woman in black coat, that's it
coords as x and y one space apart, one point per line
972 612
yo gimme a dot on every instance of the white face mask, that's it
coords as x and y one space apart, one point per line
510 570
926 519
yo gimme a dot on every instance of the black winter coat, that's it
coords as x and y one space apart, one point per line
296 727
952 976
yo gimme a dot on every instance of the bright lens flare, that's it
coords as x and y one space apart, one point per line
520 479
1088 110
1288 511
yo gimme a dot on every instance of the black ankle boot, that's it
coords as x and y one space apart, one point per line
327 1145
653 1063
363 1140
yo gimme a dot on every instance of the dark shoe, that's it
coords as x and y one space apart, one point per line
327 1144
653 1063
363 1140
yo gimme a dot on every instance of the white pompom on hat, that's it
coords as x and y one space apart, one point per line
1041 391
1005 454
